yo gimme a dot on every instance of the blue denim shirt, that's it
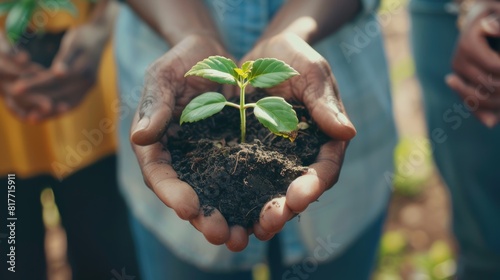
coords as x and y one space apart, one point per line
328 226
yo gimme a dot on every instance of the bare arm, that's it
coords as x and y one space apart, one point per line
312 20
175 20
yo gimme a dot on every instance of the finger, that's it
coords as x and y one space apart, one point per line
43 108
474 74
14 108
476 48
34 83
238 239
489 118
14 65
62 107
475 97
490 25
32 109
63 63
66 54
321 175
70 90
274 215
154 113
327 111
214 227
5 46
261 234
55 100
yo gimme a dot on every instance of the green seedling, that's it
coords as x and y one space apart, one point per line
272 112
20 13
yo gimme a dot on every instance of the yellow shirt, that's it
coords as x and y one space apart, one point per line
67 143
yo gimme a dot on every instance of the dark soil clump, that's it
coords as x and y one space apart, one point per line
42 47
238 179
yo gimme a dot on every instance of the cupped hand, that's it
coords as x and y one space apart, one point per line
166 93
14 65
476 65
316 88
53 91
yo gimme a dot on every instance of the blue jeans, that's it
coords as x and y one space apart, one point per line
157 262
466 152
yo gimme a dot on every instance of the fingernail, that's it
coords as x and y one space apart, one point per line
488 119
60 68
448 78
343 119
490 24
142 124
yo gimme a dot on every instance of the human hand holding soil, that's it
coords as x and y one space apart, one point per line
14 65
477 65
166 93
49 92
316 88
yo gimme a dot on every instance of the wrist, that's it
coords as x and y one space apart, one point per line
174 37
312 21
304 28
103 16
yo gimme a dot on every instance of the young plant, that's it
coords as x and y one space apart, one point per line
20 12
272 112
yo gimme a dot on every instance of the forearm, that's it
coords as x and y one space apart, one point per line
312 20
174 20
104 15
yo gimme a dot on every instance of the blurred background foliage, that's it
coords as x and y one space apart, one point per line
416 244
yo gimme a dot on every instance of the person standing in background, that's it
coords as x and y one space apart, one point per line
72 152
460 76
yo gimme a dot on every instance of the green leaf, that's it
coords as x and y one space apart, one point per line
241 73
5 7
18 19
60 5
203 106
278 116
269 72
217 69
247 66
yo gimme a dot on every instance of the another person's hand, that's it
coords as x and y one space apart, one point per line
477 65
14 65
316 88
166 93
50 92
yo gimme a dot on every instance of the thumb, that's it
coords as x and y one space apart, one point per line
5 46
490 25
153 113
331 118
490 119
66 55
334 122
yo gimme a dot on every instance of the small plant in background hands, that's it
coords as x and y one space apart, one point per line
273 112
19 14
